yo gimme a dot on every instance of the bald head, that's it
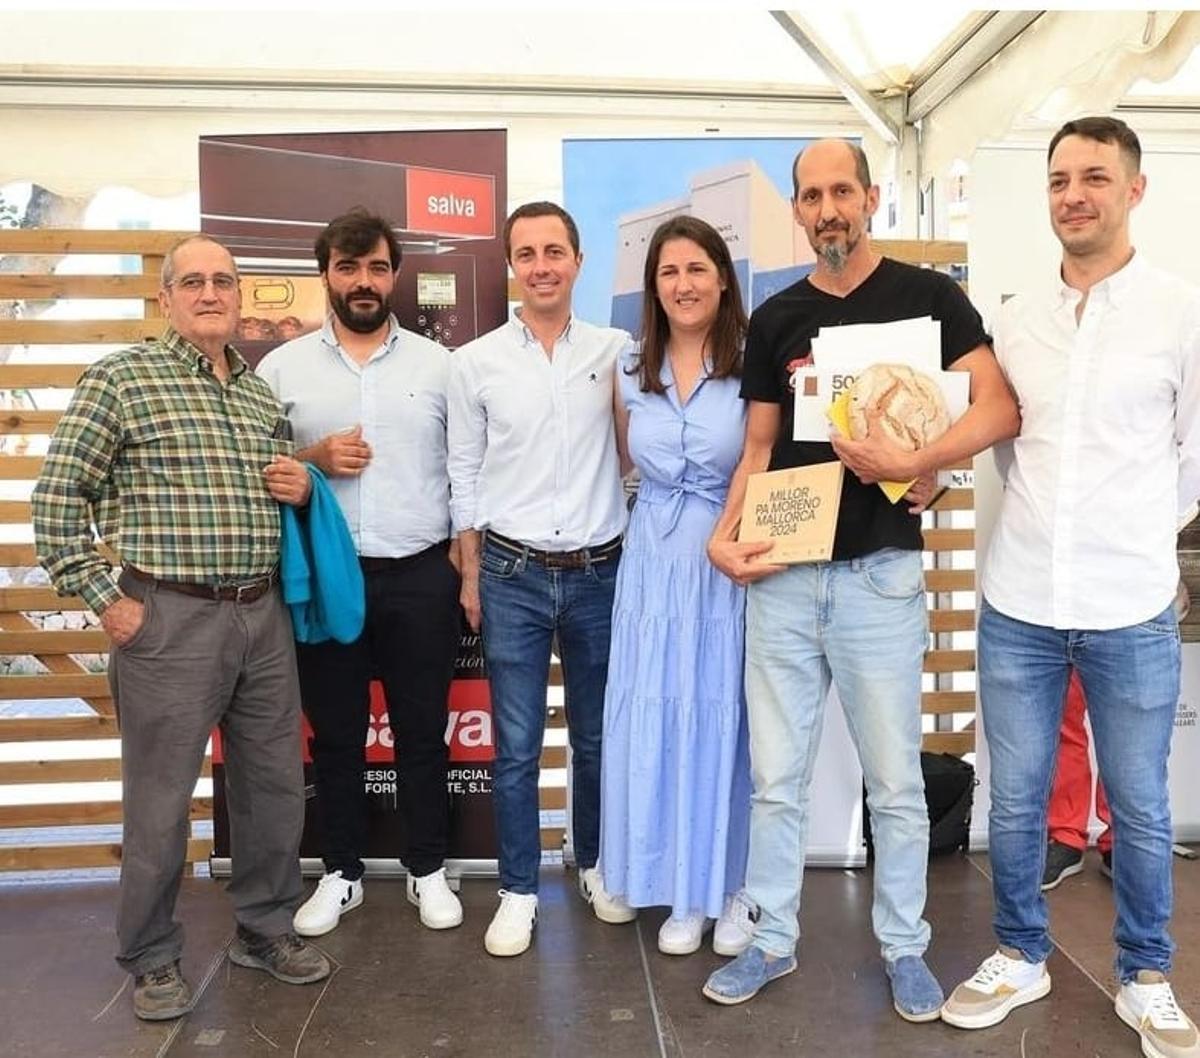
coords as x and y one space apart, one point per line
821 152
834 203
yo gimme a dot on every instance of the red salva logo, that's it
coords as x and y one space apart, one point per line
445 203
469 732
468 727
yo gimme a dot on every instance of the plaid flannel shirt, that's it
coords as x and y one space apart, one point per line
156 449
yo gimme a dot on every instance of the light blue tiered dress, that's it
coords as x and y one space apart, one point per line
675 792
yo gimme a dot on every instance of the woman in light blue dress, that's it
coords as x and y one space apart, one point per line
675 792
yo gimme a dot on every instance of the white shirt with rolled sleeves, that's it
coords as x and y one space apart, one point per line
533 452
1108 457
400 503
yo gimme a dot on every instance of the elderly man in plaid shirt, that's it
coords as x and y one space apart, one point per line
181 449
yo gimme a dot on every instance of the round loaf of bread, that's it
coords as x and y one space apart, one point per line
912 409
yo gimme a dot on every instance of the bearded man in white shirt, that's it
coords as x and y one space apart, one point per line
367 401
537 501
1082 574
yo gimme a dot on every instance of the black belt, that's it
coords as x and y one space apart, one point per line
579 559
374 564
225 591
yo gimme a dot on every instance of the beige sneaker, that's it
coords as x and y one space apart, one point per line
512 925
1147 1005
1003 981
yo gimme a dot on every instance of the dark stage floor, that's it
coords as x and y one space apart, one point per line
584 989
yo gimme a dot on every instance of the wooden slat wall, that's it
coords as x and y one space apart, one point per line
945 705
56 650
65 677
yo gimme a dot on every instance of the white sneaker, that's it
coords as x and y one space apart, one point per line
682 936
1003 981
439 906
331 899
512 925
1147 1005
734 931
608 908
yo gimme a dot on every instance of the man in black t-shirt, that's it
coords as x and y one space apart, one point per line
859 619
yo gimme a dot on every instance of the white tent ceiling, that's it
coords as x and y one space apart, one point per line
684 43
93 96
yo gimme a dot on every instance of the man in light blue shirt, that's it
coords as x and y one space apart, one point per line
367 403
539 510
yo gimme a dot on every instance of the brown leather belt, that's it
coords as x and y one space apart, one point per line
244 591
580 559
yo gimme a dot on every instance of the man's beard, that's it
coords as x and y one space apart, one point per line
358 320
835 255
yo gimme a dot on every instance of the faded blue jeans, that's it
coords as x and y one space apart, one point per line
863 624
1130 679
526 608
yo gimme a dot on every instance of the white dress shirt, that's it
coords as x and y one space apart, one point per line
533 452
400 503
1109 451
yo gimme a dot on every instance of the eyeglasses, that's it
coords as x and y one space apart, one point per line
223 283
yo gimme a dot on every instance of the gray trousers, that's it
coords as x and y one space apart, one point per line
196 664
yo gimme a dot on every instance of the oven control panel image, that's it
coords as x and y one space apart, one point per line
435 297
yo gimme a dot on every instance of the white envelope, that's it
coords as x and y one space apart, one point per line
916 342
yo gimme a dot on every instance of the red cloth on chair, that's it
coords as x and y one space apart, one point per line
1071 797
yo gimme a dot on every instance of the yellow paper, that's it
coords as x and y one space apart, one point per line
838 413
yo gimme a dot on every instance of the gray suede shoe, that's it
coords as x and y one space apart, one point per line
162 994
287 958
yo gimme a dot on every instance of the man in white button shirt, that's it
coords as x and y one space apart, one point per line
539 509
367 403
1082 574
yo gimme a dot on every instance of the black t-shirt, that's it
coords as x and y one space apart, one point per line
780 340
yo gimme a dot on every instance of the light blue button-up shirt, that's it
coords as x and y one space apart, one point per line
533 454
400 504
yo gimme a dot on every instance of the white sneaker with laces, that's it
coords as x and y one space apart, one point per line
512 925
1003 981
1147 1005
682 936
331 899
439 906
734 931
608 908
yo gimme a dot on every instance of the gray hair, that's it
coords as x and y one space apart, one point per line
167 274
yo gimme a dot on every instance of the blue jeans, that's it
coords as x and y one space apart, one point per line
525 608
862 623
1130 679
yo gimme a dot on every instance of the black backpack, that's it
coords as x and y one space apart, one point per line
949 795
